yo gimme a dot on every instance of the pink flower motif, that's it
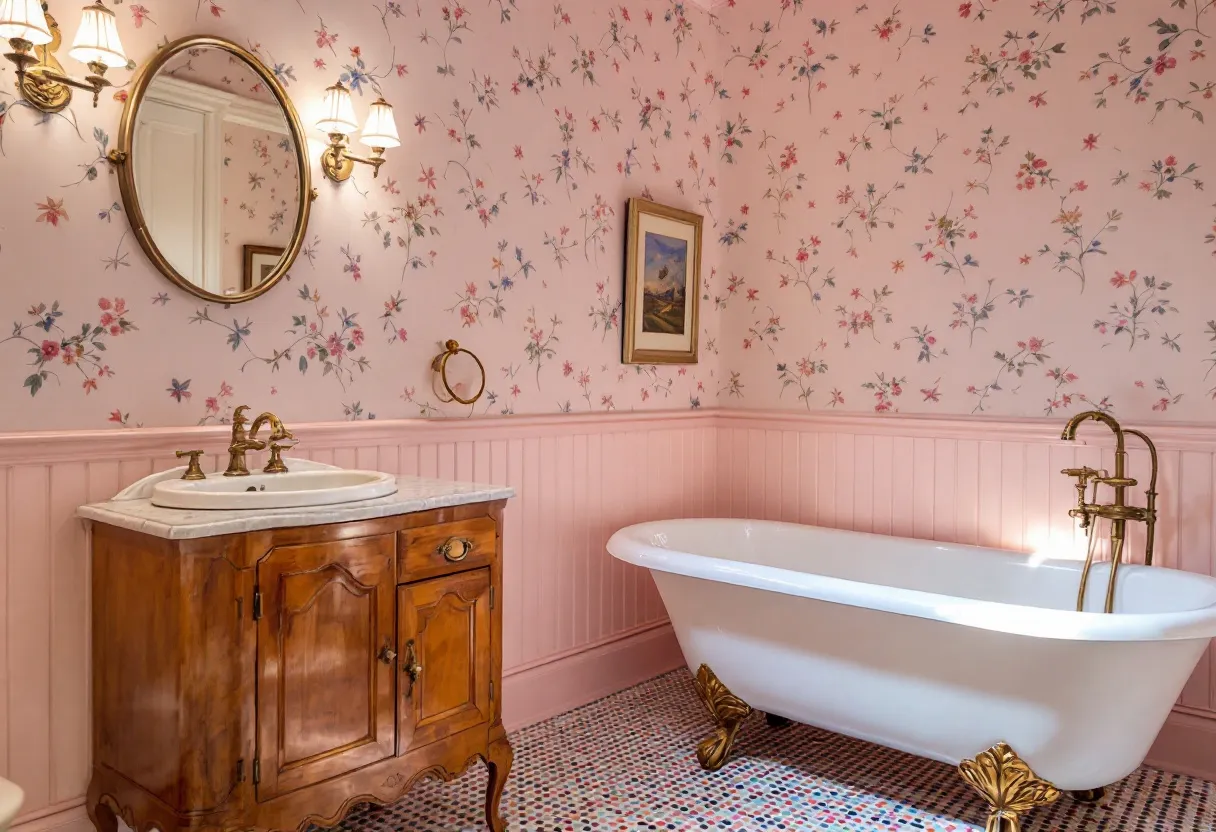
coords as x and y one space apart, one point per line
106 319
104 303
50 349
1035 344
567 368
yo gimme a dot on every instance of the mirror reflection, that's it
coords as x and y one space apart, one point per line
216 171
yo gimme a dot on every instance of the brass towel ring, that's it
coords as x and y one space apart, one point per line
440 365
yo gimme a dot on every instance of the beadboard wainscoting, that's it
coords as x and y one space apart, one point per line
577 623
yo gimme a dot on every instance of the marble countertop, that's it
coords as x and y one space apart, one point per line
413 494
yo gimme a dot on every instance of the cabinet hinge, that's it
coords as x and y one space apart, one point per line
257 772
257 608
491 597
240 770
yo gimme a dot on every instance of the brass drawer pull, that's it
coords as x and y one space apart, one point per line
410 666
455 549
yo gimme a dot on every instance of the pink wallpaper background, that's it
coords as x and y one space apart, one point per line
990 206
259 182
985 207
499 221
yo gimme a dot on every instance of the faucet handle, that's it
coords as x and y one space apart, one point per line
276 465
1117 482
194 471
1083 473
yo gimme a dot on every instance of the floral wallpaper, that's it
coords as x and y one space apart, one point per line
499 221
985 207
258 182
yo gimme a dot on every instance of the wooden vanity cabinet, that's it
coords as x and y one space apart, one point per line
272 679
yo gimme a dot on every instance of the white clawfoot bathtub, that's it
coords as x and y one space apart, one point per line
939 650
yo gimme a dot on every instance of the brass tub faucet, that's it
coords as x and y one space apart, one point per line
280 438
1117 512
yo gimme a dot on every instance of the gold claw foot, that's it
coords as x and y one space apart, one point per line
1008 785
726 710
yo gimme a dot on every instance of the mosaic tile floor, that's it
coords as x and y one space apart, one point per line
626 763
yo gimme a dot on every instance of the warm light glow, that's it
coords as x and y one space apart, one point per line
339 112
1045 545
381 128
24 20
97 38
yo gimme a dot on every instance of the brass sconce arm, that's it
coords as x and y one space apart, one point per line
43 79
337 161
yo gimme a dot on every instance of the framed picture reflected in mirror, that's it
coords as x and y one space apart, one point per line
260 263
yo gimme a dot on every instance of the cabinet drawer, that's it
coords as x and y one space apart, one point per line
447 547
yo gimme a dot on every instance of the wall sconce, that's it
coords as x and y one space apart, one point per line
27 27
379 133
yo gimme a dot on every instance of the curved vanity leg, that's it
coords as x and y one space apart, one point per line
499 764
726 710
103 817
775 721
1008 785
1088 795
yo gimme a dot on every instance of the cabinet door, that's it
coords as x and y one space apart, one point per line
325 661
444 635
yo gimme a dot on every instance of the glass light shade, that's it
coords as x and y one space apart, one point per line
339 112
24 19
381 128
97 38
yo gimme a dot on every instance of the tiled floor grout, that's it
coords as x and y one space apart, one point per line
626 763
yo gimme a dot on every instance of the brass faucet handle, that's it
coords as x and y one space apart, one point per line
275 465
1083 473
194 471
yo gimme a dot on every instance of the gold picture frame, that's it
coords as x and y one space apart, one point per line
257 259
121 158
662 284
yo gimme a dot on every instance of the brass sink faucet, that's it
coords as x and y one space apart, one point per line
280 438
1118 512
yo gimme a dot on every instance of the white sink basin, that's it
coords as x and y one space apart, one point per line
294 489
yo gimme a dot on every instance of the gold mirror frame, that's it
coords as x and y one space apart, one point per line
121 157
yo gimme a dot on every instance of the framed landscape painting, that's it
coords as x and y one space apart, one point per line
662 277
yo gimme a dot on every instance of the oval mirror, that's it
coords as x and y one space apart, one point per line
213 170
